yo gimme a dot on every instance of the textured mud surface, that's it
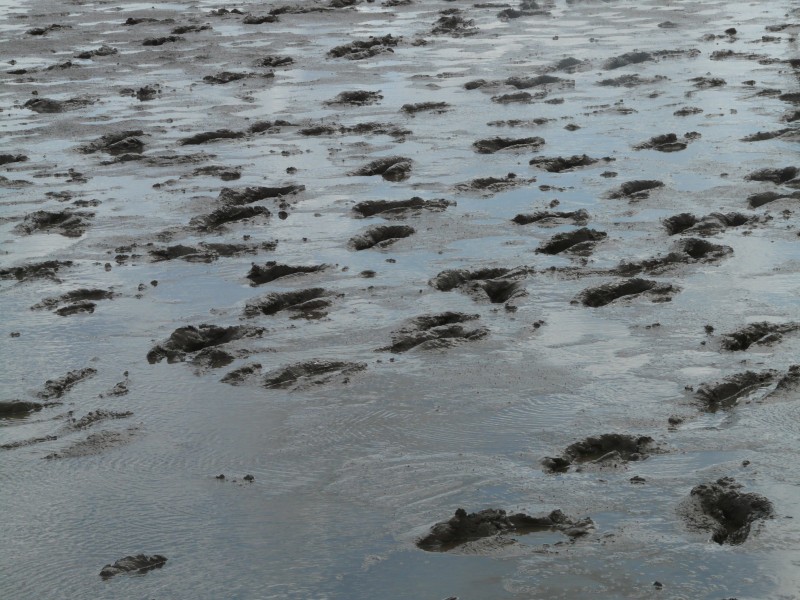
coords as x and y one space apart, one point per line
404 250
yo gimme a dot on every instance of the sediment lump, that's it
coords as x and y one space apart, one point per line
228 214
55 388
725 392
48 105
760 334
708 225
208 252
544 217
47 269
496 144
667 142
361 49
186 340
778 176
636 189
493 185
248 195
6 159
76 301
271 271
66 223
608 448
609 292
356 98
629 58
210 136
452 23
453 278
391 168
762 198
16 408
380 236
686 251
309 303
313 372
274 60
389 209
581 241
436 331
121 142
463 528
412 109
97 416
559 164
141 563
729 514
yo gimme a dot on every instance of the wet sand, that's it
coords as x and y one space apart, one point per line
375 263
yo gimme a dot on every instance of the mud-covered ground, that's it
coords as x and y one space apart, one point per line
402 300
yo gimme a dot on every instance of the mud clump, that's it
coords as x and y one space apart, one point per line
17 408
774 175
559 164
242 374
259 19
271 271
55 388
608 293
628 81
412 109
361 49
274 60
688 251
186 340
355 98
667 142
314 372
760 334
707 225
48 105
97 416
496 144
629 58
729 514
141 563
636 189
762 136
463 528
390 209
249 195
498 285
210 136
208 252
228 214
160 41
453 278
523 97
725 393
452 23
311 303
437 331
606 449
121 142
47 270
190 29
762 198
66 223
225 77
493 185
544 217
75 300
391 168
101 51
380 236
581 241
6 159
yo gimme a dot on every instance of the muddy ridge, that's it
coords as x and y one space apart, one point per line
726 392
581 242
55 388
66 223
189 339
380 236
313 372
391 168
389 209
760 334
141 563
549 218
47 269
685 252
496 144
309 303
606 449
637 189
707 225
271 271
437 331
630 288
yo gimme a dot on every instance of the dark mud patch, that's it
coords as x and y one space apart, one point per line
708 83
208 252
97 443
777 176
550 218
559 164
757 334
789 382
228 214
452 23
728 513
48 105
141 563
272 270
726 392
313 372
496 144
211 136
103 50
311 303
66 223
632 288
259 19
708 225
43 270
762 136
391 168
581 242
636 189
629 81
464 528
97 416
667 142
498 285
380 236
438 331
213 358
355 98
223 172
608 449
121 142
248 195
521 97
493 185
28 442
392 209
435 107
77 301
160 41
361 49
190 339
762 198
18 408
687 111
454 278
520 122
242 374
6 159
225 77
685 252
275 60
55 388
369 128
629 58
182 29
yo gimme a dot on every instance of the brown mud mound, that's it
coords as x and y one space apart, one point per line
355 98
271 271
74 297
548 218
759 334
391 168
97 416
96 443
160 41
708 225
189 339
228 214
248 195
774 175
141 563
380 236
121 142
629 58
259 19
274 60
496 144
454 278
390 209
463 528
667 142
310 303
225 77
721 508
313 372
726 392
762 136
581 241
208 252
452 23
66 223
559 164
412 109
636 189
604 450
6 159
242 374
687 251
48 105
762 198
47 270
210 136
628 81
789 382
55 388
493 185
429 332
522 97
18 408
361 49
608 293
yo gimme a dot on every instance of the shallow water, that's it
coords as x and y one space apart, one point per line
349 475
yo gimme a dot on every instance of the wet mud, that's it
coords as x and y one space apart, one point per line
549 218
270 271
726 392
141 563
580 242
190 339
56 388
311 373
391 168
393 209
606 450
311 303
758 334
686 251
436 332
66 223
631 288
96 443
380 236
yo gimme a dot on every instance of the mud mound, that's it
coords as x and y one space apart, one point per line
437 331
141 563
17 408
208 252
628 81
190 29
259 19
789 382
6 159
389 209
272 271
496 144
76 301
210 136
729 514
97 416
122 142
725 393
667 142
47 269
225 77
356 98
186 340
762 198
160 41
522 97
559 164
228 214
608 293
774 175
463 528
708 225
688 251
361 49
636 189
381 236
314 372
581 241
310 303
453 278
55 388
248 195
629 58
762 136
96 443
48 105
707 83
101 51
242 374
391 168
66 223
607 449
412 109
493 185
577 217
452 23
760 334
274 60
